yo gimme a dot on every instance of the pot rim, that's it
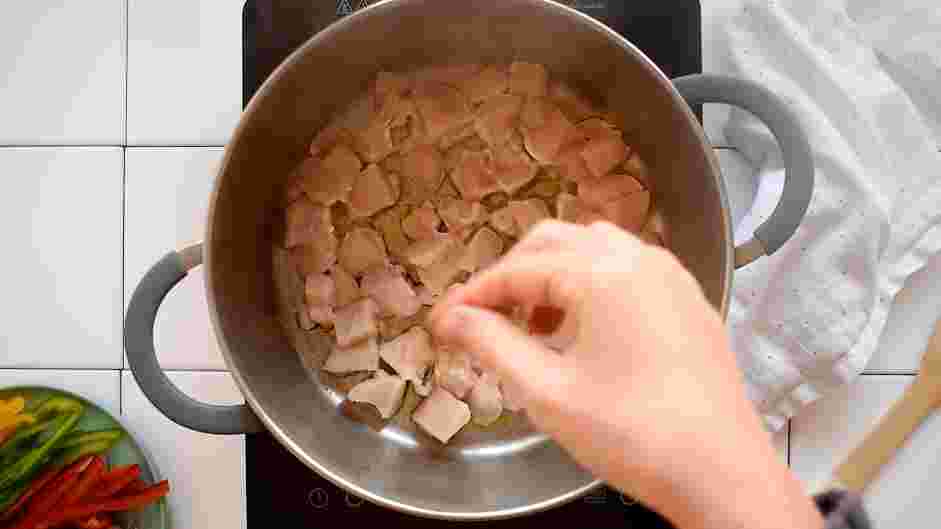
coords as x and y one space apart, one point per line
282 437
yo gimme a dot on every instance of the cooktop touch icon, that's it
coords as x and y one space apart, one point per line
347 7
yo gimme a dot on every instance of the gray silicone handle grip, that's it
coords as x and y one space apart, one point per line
139 344
795 149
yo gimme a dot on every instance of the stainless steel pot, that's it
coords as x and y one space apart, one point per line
490 474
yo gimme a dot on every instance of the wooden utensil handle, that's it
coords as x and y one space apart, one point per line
880 445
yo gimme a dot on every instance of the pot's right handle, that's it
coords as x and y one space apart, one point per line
139 344
795 149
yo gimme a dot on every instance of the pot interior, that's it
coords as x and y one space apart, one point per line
506 471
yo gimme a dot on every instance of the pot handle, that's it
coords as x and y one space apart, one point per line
139 344
795 149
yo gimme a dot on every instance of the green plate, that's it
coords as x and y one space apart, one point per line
126 452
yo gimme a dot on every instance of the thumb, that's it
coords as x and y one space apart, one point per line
502 348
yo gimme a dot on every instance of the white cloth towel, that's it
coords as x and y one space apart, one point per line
864 77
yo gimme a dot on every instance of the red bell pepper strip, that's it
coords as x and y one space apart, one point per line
115 480
34 487
133 487
85 483
122 503
49 497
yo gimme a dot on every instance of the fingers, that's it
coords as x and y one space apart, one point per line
502 348
549 235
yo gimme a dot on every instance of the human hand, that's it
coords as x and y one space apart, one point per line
646 394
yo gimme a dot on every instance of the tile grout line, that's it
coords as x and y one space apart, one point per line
127 61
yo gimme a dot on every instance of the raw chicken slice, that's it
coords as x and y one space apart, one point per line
495 121
441 415
529 79
320 296
458 214
486 400
331 179
570 208
316 257
426 253
513 168
442 107
454 372
444 271
452 74
328 138
356 322
391 328
422 223
474 176
574 106
572 166
518 217
426 297
389 223
394 119
629 212
603 154
597 191
388 288
483 250
306 222
362 249
384 391
362 356
545 129
392 83
457 136
372 192
347 291
547 189
422 171
490 82
636 167
410 355
304 321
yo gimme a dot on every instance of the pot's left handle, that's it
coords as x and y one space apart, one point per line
139 344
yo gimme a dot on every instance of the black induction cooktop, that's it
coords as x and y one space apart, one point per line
281 491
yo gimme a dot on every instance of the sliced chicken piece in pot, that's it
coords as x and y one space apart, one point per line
426 297
361 356
347 290
475 175
316 257
484 248
571 164
545 189
603 154
497 119
304 321
391 328
519 216
328 138
320 297
362 249
451 74
331 179
529 79
445 271
598 191
387 286
570 208
545 129
629 212
441 415
394 120
486 400
490 82
442 107
384 391
458 214
422 223
306 222
457 136
422 172
389 224
513 168
426 253
356 322
372 192
636 167
454 372
410 355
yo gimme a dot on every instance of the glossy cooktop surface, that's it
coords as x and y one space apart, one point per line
281 490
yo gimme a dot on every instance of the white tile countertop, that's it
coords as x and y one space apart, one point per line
114 114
